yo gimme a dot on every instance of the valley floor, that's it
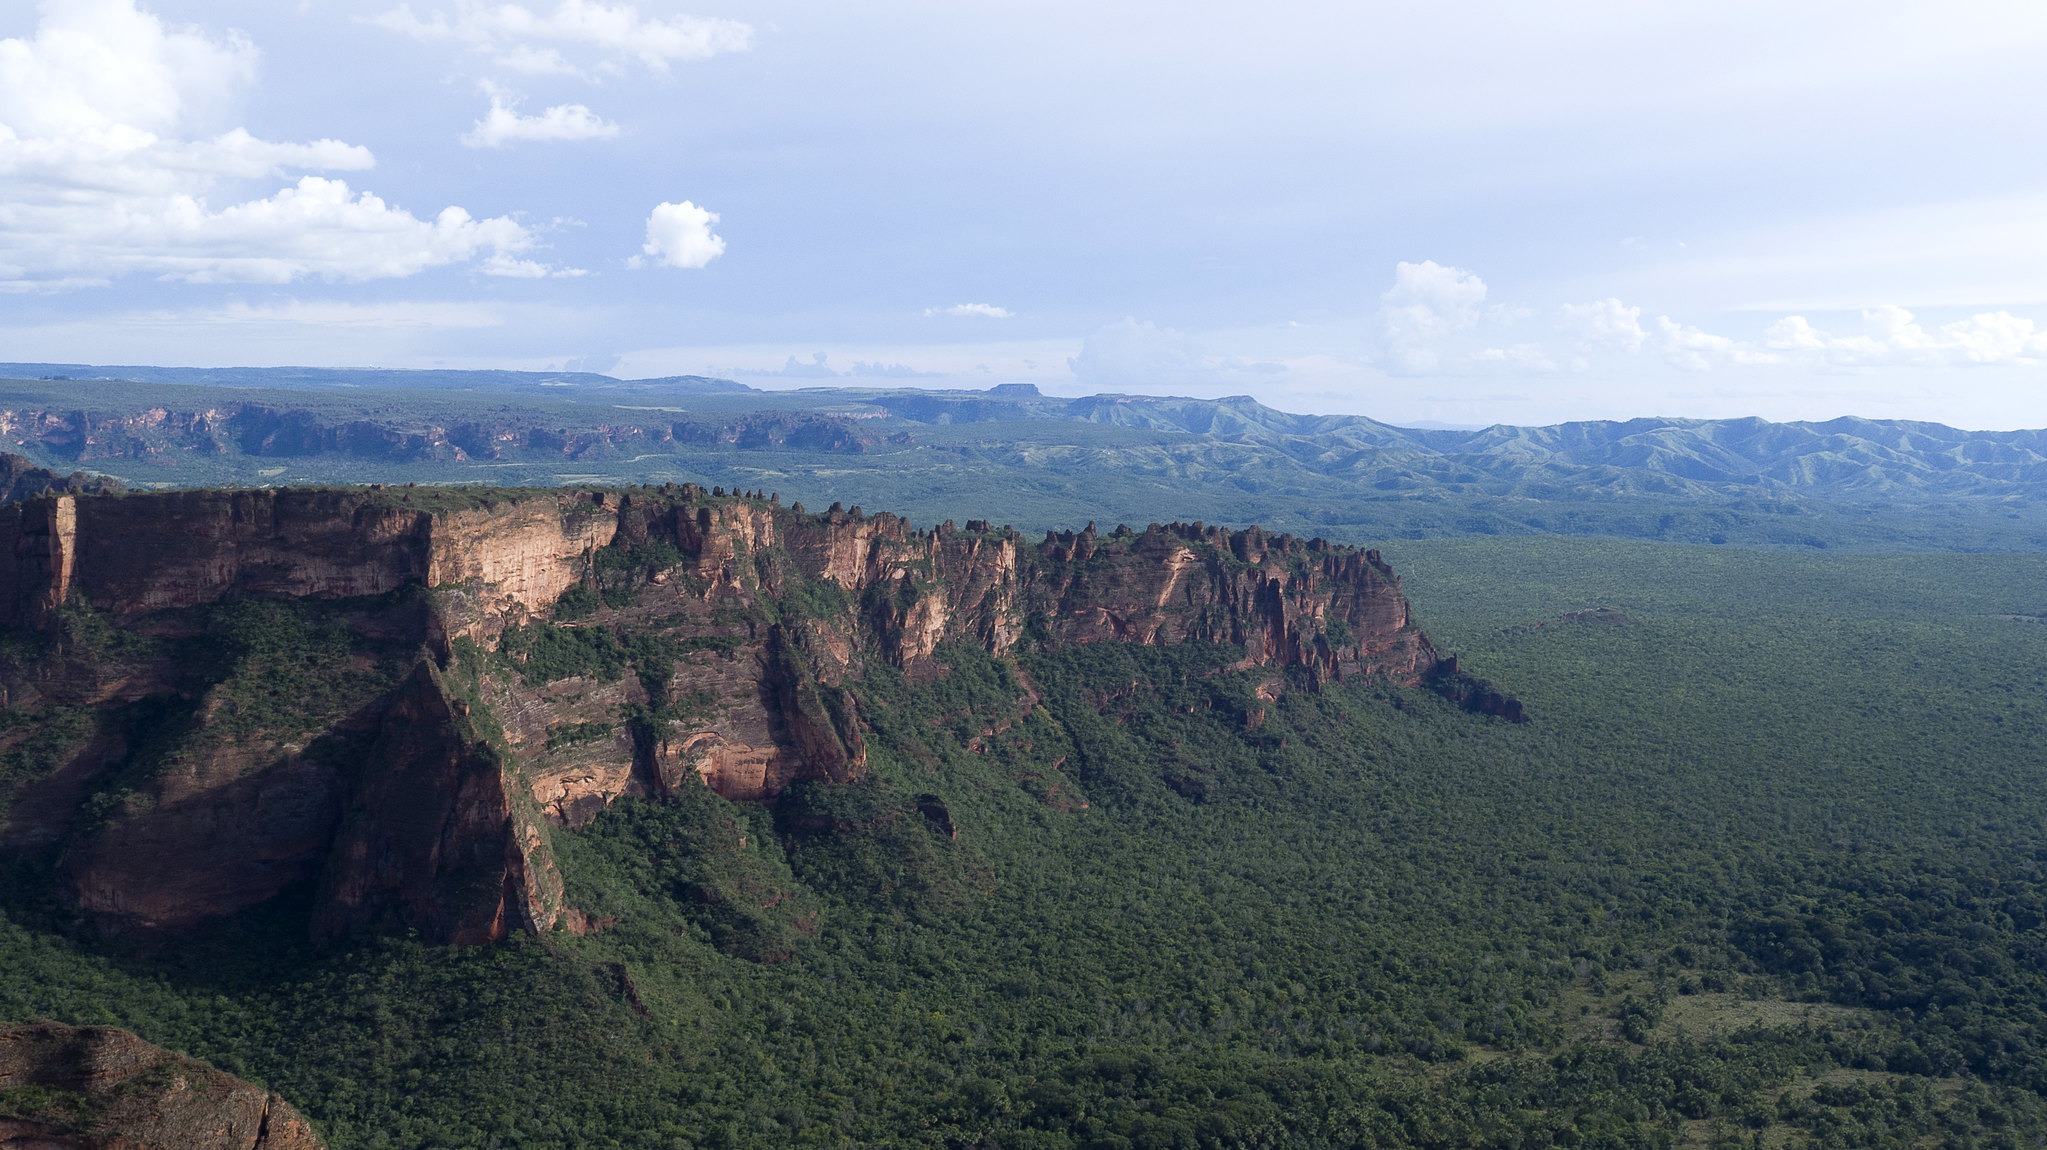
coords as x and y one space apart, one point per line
1765 870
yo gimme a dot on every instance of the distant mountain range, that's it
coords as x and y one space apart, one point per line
1044 461
1845 457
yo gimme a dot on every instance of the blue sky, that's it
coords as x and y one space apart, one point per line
1464 213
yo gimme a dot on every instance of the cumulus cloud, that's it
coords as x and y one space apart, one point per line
1437 319
1696 349
109 156
891 371
1133 354
818 366
503 124
1890 337
537 41
1894 336
680 236
1427 303
1605 325
972 310
317 227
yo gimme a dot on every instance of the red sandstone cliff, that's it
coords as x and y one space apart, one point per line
407 809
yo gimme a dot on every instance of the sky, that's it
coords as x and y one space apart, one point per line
1459 213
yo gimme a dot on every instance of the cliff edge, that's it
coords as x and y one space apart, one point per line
391 695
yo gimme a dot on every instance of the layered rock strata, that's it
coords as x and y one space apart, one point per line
137 554
565 649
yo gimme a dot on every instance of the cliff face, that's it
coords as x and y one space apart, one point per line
438 837
105 1089
139 554
524 659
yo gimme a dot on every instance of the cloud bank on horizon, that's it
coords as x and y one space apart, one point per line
1478 216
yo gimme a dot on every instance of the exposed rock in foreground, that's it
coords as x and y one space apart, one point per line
389 696
21 479
99 1088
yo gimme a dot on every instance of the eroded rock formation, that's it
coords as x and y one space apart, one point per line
511 660
99 1088
439 836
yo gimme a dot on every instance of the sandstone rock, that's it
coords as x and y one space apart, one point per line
143 553
106 1089
430 823
239 838
436 837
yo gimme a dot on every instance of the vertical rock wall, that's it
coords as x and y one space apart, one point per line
434 825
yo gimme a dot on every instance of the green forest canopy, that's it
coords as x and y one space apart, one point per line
1765 866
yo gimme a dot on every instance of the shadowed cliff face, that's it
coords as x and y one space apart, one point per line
106 1089
490 663
134 555
437 838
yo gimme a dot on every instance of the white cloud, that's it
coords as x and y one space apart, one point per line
525 40
1696 349
503 124
1526 356
1434 316
106 169
1427 303
1890 337
817 367
1894 336
976 310
1130 354
1606 324
680 236
101 69
892 371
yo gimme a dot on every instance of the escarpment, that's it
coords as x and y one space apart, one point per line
388 697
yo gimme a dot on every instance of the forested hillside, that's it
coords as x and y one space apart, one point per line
1040 462
1764 869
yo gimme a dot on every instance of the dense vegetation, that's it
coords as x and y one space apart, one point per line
1766 869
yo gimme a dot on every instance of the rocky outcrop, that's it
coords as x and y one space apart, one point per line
245 822
137 554
1335 611
21 479
99 1088
1289 602
807 602
438 837
569 648
1474 694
